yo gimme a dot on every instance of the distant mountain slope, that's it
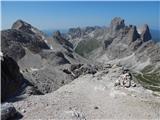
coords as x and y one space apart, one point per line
51 62
115 43
41 60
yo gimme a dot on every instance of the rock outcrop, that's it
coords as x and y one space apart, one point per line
8 111
75 33
58 37
117 23
28 28
14 42
133 34
13 82
54 58
145 34
125 80
11 79
82 69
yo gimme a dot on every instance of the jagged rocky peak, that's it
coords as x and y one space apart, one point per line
75 32
28 28
133 34
117 23
19 24
145 33
13 42
57 34
58 37
78 29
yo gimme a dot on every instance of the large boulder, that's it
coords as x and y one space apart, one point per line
8 111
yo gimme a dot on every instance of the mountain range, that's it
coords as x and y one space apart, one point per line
41 72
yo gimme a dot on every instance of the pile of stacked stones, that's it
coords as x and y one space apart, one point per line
125 80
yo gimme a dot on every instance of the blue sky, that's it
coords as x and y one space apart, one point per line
63 15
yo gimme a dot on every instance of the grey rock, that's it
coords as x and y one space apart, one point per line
12 79
133 34
50 79
125 79
28 28
117 23
58 37
54 58
136 44
13 42
8 111
146 35
117 42
82 69
42 67
75 32
31 90
107 42
13 82
75 66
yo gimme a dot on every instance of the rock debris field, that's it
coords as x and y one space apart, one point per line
93 97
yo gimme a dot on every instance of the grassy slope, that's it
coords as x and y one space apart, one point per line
149 79
86 46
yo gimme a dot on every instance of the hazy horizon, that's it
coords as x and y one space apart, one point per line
64 15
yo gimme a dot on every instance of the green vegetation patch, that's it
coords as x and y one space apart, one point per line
149 79
86 46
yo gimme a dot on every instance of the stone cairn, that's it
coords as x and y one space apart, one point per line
125 80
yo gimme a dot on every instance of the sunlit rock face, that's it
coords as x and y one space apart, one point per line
28 28
133 34
117 23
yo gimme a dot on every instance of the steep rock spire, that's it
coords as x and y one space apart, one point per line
145 34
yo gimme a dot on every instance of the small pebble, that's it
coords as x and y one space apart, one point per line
23 110
96 107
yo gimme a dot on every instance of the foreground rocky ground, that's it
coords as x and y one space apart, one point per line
92 97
